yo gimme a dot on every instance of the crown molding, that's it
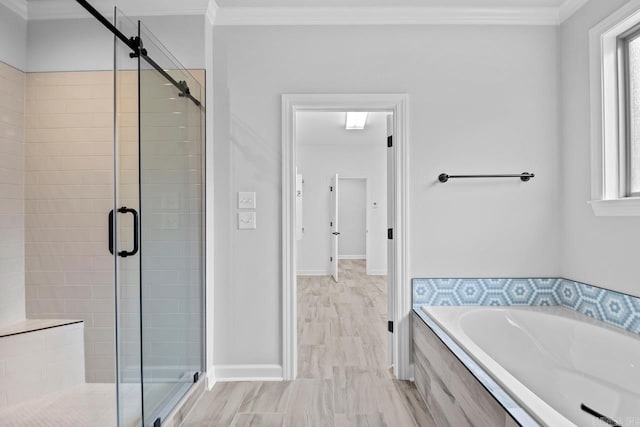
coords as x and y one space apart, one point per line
17 6
212 12
386 16
66 9
568 8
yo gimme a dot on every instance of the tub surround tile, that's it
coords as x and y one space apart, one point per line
608 306
602 304
441 292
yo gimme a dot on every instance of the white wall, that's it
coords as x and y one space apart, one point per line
602 251
324 149
85 44
352 215
13 38
482 99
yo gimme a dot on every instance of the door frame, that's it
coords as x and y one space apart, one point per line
399 104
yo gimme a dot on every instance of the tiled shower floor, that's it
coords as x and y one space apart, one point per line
81 406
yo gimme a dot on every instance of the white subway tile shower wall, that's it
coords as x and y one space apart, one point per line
69 192
171 201
12 288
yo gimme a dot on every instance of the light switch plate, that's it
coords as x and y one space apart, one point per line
246 220
246 200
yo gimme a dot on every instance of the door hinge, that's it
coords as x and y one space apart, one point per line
390 233
390 141
330 188
390 326
331 258
331 224
196 376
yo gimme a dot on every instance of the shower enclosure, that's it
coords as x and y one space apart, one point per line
101 226
156 224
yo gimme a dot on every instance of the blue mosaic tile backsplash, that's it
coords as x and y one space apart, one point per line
608 306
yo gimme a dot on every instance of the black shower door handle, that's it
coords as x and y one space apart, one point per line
136 234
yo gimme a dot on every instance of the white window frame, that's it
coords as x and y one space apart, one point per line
608 145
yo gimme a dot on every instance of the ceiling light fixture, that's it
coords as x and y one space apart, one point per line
356 120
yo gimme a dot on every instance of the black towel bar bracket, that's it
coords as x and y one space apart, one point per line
524 176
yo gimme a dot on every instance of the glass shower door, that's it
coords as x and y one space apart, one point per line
157 229
171 217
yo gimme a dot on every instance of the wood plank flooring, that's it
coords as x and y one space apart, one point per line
343 376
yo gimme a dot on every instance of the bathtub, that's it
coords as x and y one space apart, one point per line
551 360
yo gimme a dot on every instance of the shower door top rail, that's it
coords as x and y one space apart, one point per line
135 44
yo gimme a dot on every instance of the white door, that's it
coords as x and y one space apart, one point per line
335 233
391 248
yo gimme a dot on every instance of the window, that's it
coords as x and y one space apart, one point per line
629 95
615 113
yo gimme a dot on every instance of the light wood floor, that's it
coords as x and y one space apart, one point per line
343 375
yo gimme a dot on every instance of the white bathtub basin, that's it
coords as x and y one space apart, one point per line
551 360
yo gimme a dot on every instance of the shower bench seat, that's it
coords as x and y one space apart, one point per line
39 356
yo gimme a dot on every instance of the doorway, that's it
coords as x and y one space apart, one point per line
342 310
352 217
397 288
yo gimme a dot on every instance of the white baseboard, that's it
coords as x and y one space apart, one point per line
376 272
225 373
211 378
352 257
312 273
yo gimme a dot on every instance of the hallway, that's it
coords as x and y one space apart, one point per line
343 377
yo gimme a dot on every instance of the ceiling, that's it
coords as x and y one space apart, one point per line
321 12
328 128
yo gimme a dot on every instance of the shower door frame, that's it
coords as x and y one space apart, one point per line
138 52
